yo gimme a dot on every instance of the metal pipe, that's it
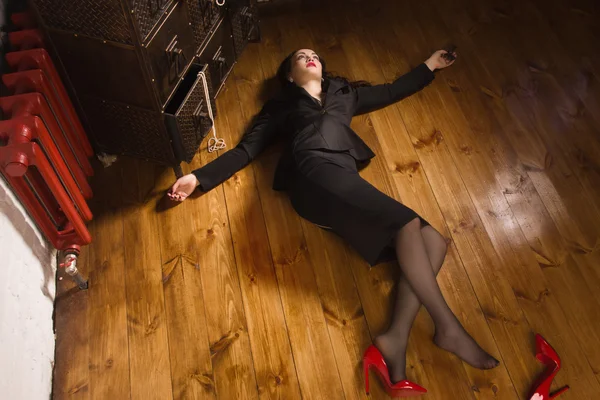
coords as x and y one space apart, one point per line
70 264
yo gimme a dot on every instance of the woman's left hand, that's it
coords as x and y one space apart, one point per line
440 59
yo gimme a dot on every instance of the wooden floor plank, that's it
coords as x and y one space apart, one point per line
210 247
71 372
521 133
559 185
190 359
588 260
509 172
107 312
564 112
189 349
515 170
576 116
572 26
146 320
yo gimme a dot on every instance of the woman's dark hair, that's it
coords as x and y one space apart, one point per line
285 68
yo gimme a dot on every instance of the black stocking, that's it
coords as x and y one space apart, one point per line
421 252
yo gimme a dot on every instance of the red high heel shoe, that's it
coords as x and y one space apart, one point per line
374 358
547 356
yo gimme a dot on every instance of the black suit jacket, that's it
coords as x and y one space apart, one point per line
297 117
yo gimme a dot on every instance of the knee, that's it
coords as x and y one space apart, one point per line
442 244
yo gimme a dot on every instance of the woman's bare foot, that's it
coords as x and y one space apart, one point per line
459 342
183 187
393 350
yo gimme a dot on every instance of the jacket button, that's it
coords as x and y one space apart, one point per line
323 111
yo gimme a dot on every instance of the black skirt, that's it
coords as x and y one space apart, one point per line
329 192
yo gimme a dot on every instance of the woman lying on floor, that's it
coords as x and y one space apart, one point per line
318 169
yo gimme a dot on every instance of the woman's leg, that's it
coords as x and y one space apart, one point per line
420 254
394 341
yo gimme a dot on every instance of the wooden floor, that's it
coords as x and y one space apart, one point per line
233 296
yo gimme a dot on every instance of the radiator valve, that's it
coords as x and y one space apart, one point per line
70 265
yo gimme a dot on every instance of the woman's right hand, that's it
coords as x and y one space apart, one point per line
183 187
439 60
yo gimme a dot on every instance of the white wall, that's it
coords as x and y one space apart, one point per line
27 287
27 272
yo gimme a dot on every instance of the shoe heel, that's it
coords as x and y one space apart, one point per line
559 392
366 369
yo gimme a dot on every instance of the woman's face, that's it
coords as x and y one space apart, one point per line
306 66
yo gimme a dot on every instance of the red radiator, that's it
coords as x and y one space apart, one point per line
25 39
43 148
34 104
36 81
38 59
23 20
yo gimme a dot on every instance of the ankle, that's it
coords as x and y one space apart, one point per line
382 341
449 328
395 337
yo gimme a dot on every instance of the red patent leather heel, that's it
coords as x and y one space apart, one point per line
547 356
373 358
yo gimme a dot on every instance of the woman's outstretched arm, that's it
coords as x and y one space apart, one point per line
260 134
372 98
